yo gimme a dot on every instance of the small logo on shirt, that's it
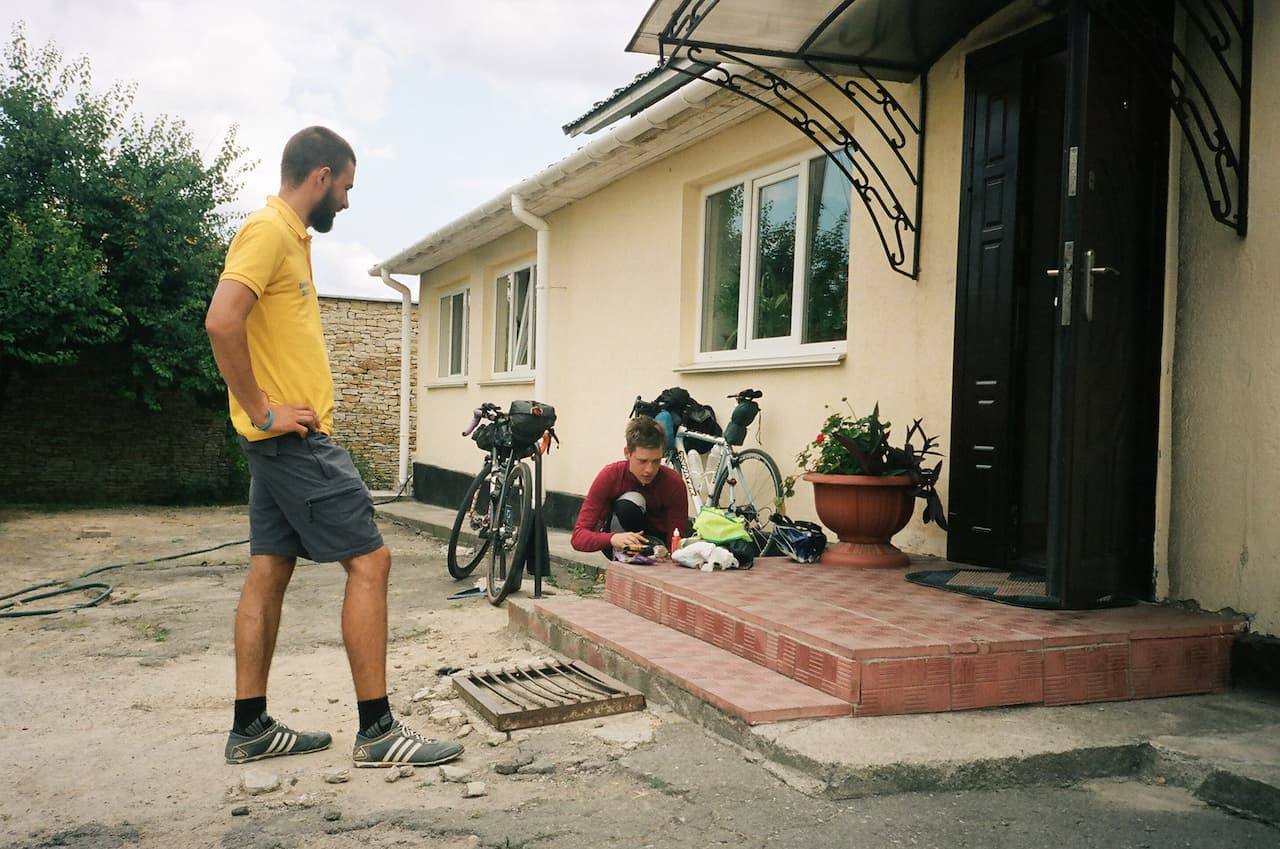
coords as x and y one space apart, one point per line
304 287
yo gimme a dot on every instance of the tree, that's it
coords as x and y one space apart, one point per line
111 234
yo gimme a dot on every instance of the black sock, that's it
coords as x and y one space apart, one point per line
247 710
371 710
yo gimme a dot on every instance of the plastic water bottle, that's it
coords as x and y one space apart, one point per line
712 466
699 478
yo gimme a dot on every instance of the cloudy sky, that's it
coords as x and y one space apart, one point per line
446 102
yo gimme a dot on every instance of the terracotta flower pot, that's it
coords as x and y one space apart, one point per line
865 511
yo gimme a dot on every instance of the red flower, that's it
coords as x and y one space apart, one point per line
819 439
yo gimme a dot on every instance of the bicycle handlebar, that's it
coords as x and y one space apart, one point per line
747 395
484 411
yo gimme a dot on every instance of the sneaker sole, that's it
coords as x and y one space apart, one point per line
265 755
385 764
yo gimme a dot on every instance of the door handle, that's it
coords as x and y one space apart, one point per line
1089 271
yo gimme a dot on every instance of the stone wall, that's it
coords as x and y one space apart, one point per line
68 439
364 353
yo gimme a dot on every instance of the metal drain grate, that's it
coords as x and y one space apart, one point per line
526 695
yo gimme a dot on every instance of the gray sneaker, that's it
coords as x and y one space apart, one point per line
266 738
402 745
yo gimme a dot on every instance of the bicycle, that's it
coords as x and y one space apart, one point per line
501 503
745 482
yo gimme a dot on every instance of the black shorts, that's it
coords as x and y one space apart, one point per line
306 499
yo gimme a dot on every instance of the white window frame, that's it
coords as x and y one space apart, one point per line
510 332
446 369
783 350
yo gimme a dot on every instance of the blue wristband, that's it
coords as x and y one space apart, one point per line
271 418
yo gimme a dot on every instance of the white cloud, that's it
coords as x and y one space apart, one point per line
342 268
446 102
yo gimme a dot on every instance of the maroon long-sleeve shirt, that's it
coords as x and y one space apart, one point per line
666 505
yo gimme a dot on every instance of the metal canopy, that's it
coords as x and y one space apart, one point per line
749 45
894 39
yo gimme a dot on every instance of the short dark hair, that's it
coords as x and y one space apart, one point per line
645 432
312 148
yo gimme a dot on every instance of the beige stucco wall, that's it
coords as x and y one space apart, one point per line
624 278
1224 537
623 305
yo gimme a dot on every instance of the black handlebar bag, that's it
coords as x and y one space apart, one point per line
530 420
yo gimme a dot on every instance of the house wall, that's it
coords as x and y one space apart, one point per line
623 304
624 269
1224 539
624 278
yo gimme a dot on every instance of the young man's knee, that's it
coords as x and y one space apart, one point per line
629 512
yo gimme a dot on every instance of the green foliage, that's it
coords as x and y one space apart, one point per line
849 444
829 454
111 238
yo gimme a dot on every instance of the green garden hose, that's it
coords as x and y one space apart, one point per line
14 604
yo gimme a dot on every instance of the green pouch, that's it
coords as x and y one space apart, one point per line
716 525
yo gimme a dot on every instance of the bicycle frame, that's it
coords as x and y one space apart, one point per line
700 493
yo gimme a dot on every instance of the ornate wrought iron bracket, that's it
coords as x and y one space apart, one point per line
891 194
1211 81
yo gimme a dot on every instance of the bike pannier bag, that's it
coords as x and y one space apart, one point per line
529 420
491 435
742 417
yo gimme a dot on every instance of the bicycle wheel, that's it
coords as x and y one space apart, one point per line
750 485
473 516
512 523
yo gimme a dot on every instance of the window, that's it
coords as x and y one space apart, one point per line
455 312
786 285
513 322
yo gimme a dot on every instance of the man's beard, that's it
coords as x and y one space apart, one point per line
321 217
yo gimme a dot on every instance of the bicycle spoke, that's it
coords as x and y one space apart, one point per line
751 486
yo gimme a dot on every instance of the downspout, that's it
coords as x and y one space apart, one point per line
405 393
540 295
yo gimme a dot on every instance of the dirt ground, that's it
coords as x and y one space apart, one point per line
113 720
115 716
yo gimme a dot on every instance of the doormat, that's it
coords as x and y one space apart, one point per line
1020 589
531 694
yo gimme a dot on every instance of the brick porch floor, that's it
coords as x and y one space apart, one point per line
785 641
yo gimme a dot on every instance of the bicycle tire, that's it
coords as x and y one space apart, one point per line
755 472
512 523
468 510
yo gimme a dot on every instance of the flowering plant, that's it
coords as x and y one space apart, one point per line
849 444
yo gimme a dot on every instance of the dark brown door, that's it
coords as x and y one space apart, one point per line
1104 423
1005 319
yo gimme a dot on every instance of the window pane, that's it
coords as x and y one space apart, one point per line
458 335
722 270
775 258
502 324
826 285
523 317
442 344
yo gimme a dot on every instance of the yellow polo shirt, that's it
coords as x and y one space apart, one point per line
272 256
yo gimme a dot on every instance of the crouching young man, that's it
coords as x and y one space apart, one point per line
635 501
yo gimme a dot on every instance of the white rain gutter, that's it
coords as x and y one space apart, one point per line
540 297
406 299
548 184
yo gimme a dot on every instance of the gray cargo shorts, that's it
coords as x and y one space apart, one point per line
306 499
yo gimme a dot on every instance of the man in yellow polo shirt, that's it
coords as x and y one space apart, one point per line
306 498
